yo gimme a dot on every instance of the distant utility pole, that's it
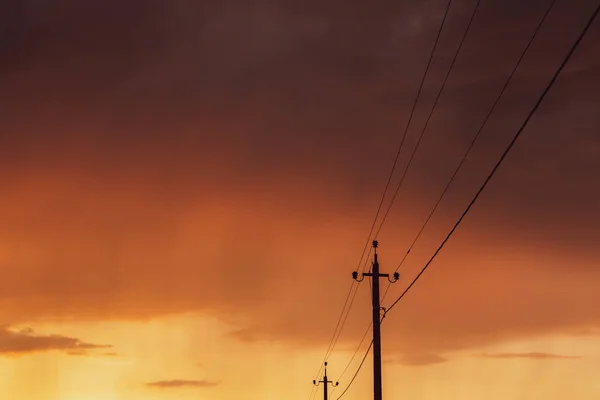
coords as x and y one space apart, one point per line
325 381
375 275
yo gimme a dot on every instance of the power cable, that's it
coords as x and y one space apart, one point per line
408 123
510 146
390 176
437 98
344 319
357 371
330 346
471 145
341 323
355 352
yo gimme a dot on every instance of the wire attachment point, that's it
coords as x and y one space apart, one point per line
355 276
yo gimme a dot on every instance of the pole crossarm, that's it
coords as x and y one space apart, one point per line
325 381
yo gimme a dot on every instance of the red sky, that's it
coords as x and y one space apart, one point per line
225 160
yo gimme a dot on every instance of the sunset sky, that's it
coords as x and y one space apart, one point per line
186 187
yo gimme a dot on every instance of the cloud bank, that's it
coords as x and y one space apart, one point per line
161 165
531 356
26 341
181 383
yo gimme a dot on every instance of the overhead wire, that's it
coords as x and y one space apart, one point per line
502 158
437 98
504 154
355 352
340 325
357 371
399 151
477 135
333 338
344 319
406 129
386 188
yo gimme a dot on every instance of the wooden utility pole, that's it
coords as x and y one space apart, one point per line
375 275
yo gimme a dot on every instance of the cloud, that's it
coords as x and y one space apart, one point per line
89 354
77 353
180 383
186 170
417 360
531 356
586 332
245 335
25 341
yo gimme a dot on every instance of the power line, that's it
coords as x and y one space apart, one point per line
337 326
341 323
517 135
386 188
333 338
344 319
355 352
357 371
486 119
408 123
332 344
353 356
313 392
437 98
510 146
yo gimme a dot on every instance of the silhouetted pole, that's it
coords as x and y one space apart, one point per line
375 275
325 381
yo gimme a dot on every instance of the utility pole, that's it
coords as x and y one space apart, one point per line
325 381
375 275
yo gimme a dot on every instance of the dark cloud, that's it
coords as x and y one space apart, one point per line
26 341
181 383
161 146
531 356
250 72
309 70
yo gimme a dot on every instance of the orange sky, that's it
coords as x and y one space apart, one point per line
186 190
